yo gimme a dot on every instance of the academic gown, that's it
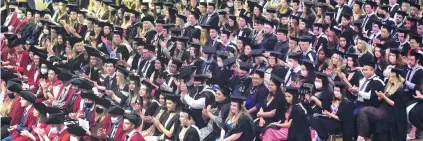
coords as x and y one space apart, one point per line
281 47
240 85
192 31
150 111
136 61
333 126
135 137
197 94
345 9
405 47
245 126
255 98
389 42
191 134
393 10
269 41
245 32
212 20
300 128
367 23
149 36
131 31
355 81
146 68
416 79
365 58
63 136
320 41
174 121
205 67
221 76
277 103
222 111
26 124
118 134
394 128
111 83
16 112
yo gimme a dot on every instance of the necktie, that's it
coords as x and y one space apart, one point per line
127 138
409 74
289 77
56 137
364 84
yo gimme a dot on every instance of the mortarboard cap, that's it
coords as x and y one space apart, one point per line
116 110
134 119
55 118
150 47
209 50
76 130
292 90
238 99
340 84
295 55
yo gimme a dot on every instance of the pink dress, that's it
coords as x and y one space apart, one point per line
281 134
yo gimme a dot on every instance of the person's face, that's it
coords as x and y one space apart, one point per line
159 27
258 27
292 44
127 125
414 44
219 96
321 55
241 22
157 65
79 47
335 59
146 53
28 15
140 50
60 39
341 2
414 11
398 18
143 91
302 26
411 60
345 21
407 24
81 17
420 29
368 9
162 100
272 60
145 25
288 97
170 105
36 113
350 62
327 20
51 75
202 8
36 59
93 60
392 58
342 42
24 103
368 71
316 30
280 36
37 17
304 46
192 19
404 6
110 68
392 77
268 29
356 7
210 9
224 37
384 33
256 79
295 6
235 107
401 37
256 11
231 22
247 50
272 86
132 85
375 28
73 15
183 118
172 67
284 20
213 33
239 44
117 39
106 30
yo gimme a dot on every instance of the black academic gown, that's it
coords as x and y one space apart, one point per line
196 115
345 9
146 68
300 128
136 61
174 121
151 111
269 41
416 79
245 32
394 128
393 10
221 76
405 47
240 85
281 47
190 135
367 22
320 41
131 31
192 31
365 58
244 126
212 20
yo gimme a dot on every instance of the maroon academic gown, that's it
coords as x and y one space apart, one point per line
136 137
119 132
30 121
16 112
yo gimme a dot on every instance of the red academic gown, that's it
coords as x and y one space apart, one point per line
119 132
63 136
29 122
16 112
30 74
135 137
20 62
55 87
68 95
106 123
76 105
24 138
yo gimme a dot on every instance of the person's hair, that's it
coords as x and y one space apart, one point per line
339 66
190 119
181 23
76 54
241 110
120 78
204 36
365 47
151 27
293 25
398 83
222 22
400 60
134 94
295 100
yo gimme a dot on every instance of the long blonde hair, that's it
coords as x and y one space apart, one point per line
365 47
242 110
391 88
151 28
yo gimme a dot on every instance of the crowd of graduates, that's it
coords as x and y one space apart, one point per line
204 70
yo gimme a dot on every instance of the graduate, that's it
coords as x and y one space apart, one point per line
130 123
216 113
256 93
338 119
388 115
239 125
57 130
115 130
187 131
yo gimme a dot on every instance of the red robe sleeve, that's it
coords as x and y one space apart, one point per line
29 122
77 104
68 97
30 74
23 62
16 112
136 137
120 133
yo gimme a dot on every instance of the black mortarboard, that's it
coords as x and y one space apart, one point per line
89 95
381 46
387 27
395 51
186 72
227 32
340 84
403 14
271 10
418 38
340 53
245 66
259 72
260 20
238 99
55 118
354 56
74 40
330 14
308 64
134 119
13 86
321 75
357 23
123 70
171 96
246 18
371 3
111 60
229 61
16 42
211 4
76 130
195 45
223 12
360 3
346 16
160 21
82 83
398 71
200 78
384 7
150 47
41 107
177 62
295 55
276 79
222 54
305 39
203 4
370 63
283 30
188 111
257 52
28 96
335 30
416 54
209 50
292 90
103 24
182 39
293 38
411 19
116 110
182 17
64 75
275 54
136 13
412 4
